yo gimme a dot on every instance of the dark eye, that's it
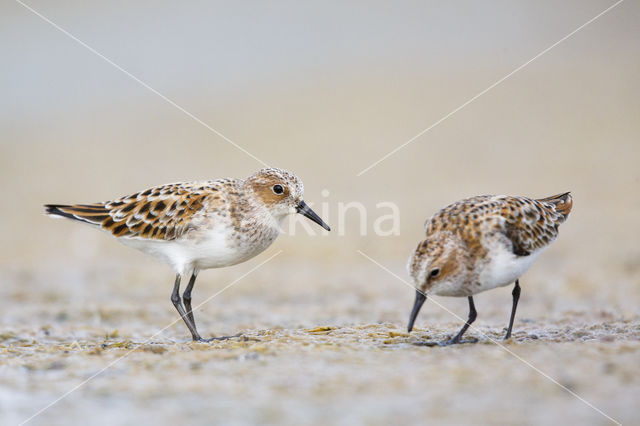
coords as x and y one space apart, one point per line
434 272
278 189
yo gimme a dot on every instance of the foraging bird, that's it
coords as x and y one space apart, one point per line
199 225
482 243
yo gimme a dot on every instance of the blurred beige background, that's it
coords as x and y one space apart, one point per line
322 89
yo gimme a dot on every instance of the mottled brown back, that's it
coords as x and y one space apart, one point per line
164 213
529 224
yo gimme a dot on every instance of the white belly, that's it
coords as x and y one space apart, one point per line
214 250
504 268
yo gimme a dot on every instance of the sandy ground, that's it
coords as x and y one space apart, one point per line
331 351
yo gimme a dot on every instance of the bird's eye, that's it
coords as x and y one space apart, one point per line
434 272
278 189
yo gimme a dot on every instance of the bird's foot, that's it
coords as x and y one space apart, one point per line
452 341
507 335
457 341
429 344
213 339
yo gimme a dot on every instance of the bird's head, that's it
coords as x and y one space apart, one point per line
281 193
435 268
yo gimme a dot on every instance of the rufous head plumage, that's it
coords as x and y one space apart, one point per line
281 192
436 262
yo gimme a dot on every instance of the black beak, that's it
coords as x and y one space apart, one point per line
306 211
420 298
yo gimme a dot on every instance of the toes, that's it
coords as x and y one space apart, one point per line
455 341
430 344
212 339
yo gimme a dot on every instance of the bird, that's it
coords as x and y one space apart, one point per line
480 243
198 225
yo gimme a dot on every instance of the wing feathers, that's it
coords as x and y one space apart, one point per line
164 213
93 215
561 202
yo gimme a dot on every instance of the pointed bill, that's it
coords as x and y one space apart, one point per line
420 298
306 211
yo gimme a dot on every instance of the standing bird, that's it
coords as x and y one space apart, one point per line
199 225
482 243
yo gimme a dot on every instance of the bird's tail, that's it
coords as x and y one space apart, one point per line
562 203
93 214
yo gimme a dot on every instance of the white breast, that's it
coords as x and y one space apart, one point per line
213 249
503 267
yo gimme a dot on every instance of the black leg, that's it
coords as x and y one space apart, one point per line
472 317
516 296
175 299
186 298
187 315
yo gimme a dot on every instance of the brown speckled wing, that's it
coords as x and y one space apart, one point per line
529 224
163 213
